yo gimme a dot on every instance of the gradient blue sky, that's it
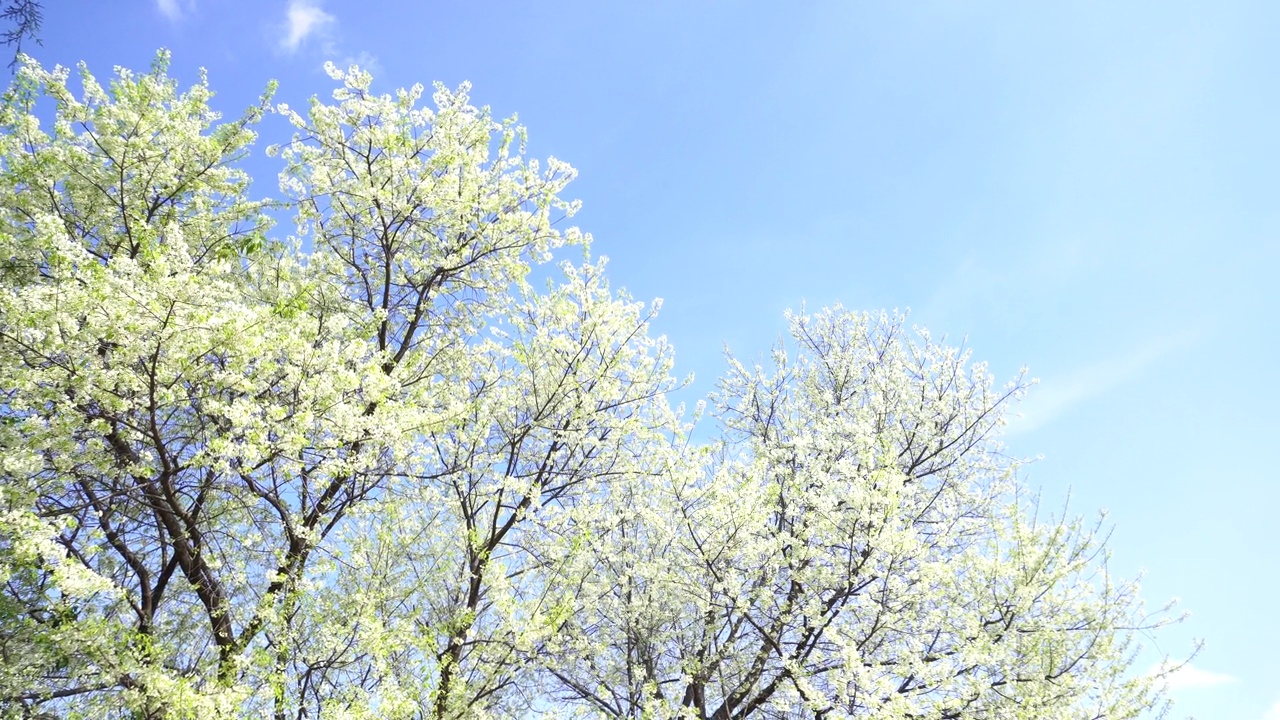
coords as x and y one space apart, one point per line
1087 188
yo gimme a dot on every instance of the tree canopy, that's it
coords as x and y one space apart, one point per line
377 467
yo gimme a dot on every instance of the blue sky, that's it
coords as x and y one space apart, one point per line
1088 189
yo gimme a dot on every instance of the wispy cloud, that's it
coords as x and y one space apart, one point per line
366 60
303 18
1054 396
1273 712
985 282
171 9
1190 677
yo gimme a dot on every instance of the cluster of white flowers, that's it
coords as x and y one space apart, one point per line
369 470
855 547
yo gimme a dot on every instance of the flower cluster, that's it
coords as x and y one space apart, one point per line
370 470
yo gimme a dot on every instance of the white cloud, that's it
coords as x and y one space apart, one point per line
1273 712
170 8
1054 396
302 19
1190 677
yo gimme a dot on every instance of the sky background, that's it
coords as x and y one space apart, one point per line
1087 189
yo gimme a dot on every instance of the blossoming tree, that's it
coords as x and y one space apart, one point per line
371 470
855 546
